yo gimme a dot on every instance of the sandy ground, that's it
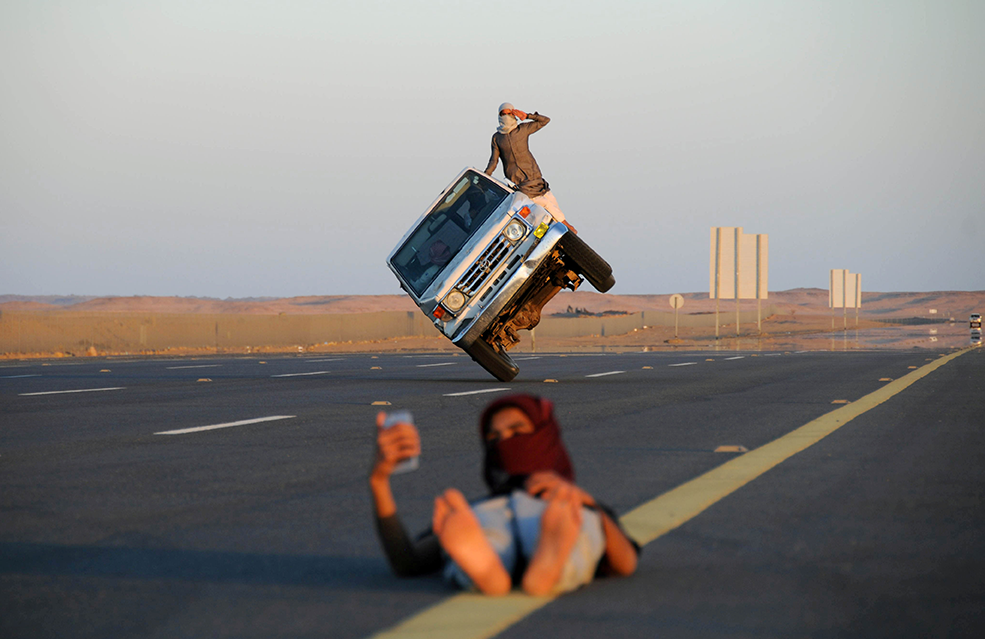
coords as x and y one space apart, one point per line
780 333
811 301
802 321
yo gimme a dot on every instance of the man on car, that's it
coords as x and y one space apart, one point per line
510 144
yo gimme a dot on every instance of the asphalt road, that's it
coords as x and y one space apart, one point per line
263 529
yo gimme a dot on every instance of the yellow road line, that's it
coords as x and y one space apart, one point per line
466 616
470 616
651 520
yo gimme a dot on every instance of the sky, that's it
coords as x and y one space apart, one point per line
275 149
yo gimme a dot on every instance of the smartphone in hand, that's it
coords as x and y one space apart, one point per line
405 417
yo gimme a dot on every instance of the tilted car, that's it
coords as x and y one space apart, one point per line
975 320
482 262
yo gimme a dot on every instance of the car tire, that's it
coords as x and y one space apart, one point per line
497 363
587 262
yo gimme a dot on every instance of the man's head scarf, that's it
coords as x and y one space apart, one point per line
510 461
507 122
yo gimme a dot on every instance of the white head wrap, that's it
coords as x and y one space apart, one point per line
506 122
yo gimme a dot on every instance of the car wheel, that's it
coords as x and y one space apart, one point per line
587 262
497 363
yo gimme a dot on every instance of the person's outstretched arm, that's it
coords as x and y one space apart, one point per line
407 558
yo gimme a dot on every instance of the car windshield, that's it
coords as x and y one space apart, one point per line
446 229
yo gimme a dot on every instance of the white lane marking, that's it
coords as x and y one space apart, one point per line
302 374
772 354
684 364
524 359
19 376
736 357
438 364
312 361
244 422
80 390
604 374
799 352
476 392
174 368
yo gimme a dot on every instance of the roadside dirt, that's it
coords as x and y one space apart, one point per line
802 322
780 333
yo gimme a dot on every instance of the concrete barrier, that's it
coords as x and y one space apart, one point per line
76 332
622 324
27 331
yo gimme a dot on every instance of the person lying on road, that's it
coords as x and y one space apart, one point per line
536 529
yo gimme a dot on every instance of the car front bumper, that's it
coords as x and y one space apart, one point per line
467 333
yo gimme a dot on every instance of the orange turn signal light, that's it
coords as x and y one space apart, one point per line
524 212
439 312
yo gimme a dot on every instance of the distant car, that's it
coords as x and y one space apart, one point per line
975 320
976 336
482 262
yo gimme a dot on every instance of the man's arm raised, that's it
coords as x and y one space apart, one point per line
406 557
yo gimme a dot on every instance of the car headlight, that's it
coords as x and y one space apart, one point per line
454 301
514 230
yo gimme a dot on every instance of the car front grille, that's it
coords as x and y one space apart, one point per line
488 262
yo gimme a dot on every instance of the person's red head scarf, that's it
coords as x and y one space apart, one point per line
509 462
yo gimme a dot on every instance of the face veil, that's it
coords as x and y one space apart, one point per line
507 122
509 462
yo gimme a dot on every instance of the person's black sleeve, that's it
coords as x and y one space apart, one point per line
408 558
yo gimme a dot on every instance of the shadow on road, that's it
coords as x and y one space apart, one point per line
350 573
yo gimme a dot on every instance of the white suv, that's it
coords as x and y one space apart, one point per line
975 320
482 262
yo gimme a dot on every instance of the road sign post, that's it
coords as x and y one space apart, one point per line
738 270
844 292
676 302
